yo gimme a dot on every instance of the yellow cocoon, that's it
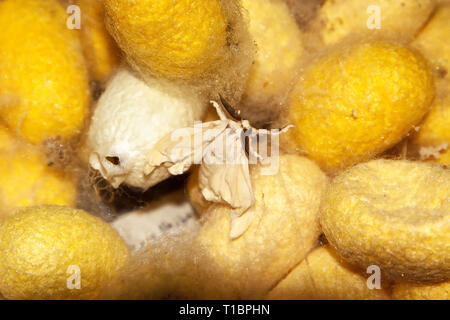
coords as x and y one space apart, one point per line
435 129
203 42
176 39
100 50
42 247
130 118
285 227
322 275
413 291
357 102
394 214
27 180
337 19
433 43
43 80
279 51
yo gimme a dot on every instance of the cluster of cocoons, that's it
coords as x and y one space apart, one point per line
284 230
348 105
353 95
389 213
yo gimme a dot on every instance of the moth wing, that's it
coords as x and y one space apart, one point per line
225 180
181 148
240 224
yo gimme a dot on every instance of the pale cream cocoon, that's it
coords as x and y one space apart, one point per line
130 118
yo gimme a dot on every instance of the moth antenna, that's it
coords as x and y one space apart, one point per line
245 140
282 130
230 110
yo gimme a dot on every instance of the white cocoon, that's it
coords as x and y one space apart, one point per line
130 118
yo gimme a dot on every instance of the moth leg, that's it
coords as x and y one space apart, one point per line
220 112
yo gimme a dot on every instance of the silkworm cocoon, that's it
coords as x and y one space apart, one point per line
44 82
322 275
434 131
176 39
435 128
394 214
284 228
130 118
432 42
357 102
42 247
385 19
279 52
100 50
415 291
205 42
26 179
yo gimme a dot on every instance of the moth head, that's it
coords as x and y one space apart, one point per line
235 114
118 169
111 168
118 151
231 111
